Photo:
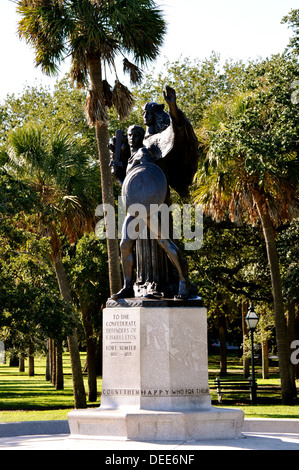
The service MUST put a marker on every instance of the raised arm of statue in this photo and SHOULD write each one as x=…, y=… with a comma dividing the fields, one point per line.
x=170, y=98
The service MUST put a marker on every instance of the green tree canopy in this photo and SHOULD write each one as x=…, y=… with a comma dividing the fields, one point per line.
x=93, y=33
x=292, y=19
x=250, y=167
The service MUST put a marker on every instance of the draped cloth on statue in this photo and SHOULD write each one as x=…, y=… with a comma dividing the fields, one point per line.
x=175, y=151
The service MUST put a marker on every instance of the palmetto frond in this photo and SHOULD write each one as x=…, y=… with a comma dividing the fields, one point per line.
x=37, y=3
x=228, y=173
x=58, y=170
x=43, y=25
x=133, y=70
x=95, y=109
x=141, y=26
x=27, y=149
x=107, y=92
x=79, y=73
x=85, y=30
x=122, y=100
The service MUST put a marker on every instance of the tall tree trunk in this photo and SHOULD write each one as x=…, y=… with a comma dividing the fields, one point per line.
x=53, y=362
x=265, y=360
x=102, y=137
x=49, y=359
x=21, y=363
x=73, y=344
x=222, y=340
x=91, y=347
x=31, y=360
x=282, y=341
x=48, y=366
x=59, y=383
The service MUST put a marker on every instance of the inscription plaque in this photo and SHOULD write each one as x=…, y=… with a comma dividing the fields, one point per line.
x=155, y=358
x=120, y=333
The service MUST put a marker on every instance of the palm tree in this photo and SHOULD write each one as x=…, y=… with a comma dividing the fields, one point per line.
x=93, y=33
x=59, y=171
x=250, y=172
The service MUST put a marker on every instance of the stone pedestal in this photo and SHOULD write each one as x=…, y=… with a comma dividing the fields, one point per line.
x=155, y=377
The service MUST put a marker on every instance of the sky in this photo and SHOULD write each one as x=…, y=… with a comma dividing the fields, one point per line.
x=236, y=29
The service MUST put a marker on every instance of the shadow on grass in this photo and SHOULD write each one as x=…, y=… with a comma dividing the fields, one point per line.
x=31, y=393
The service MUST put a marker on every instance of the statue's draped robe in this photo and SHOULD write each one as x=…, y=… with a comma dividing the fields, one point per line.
x=175, y=150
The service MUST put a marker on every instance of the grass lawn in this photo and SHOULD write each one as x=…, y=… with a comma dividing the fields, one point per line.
x=268, y=403
x=24, y=398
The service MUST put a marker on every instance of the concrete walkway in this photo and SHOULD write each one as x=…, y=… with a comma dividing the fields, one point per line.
x=259, y=434
x=251, y=441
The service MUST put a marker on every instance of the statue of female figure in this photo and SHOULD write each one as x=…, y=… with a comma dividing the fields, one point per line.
x=170, y=143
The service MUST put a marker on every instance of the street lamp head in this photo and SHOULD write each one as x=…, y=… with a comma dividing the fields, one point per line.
x=251, y=319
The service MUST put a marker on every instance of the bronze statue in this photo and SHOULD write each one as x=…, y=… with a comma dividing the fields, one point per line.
x=166, y=154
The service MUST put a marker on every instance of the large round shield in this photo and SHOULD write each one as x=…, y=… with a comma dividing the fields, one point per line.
x=145, y=184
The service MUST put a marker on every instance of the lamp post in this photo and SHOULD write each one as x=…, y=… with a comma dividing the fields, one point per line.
x=251, y=320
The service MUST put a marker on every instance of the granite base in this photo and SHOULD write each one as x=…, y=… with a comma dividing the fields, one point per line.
x=146, y=425
x=155, y=377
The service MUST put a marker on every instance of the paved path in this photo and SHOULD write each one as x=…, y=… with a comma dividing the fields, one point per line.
x=251, y=441
x=258, y=434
